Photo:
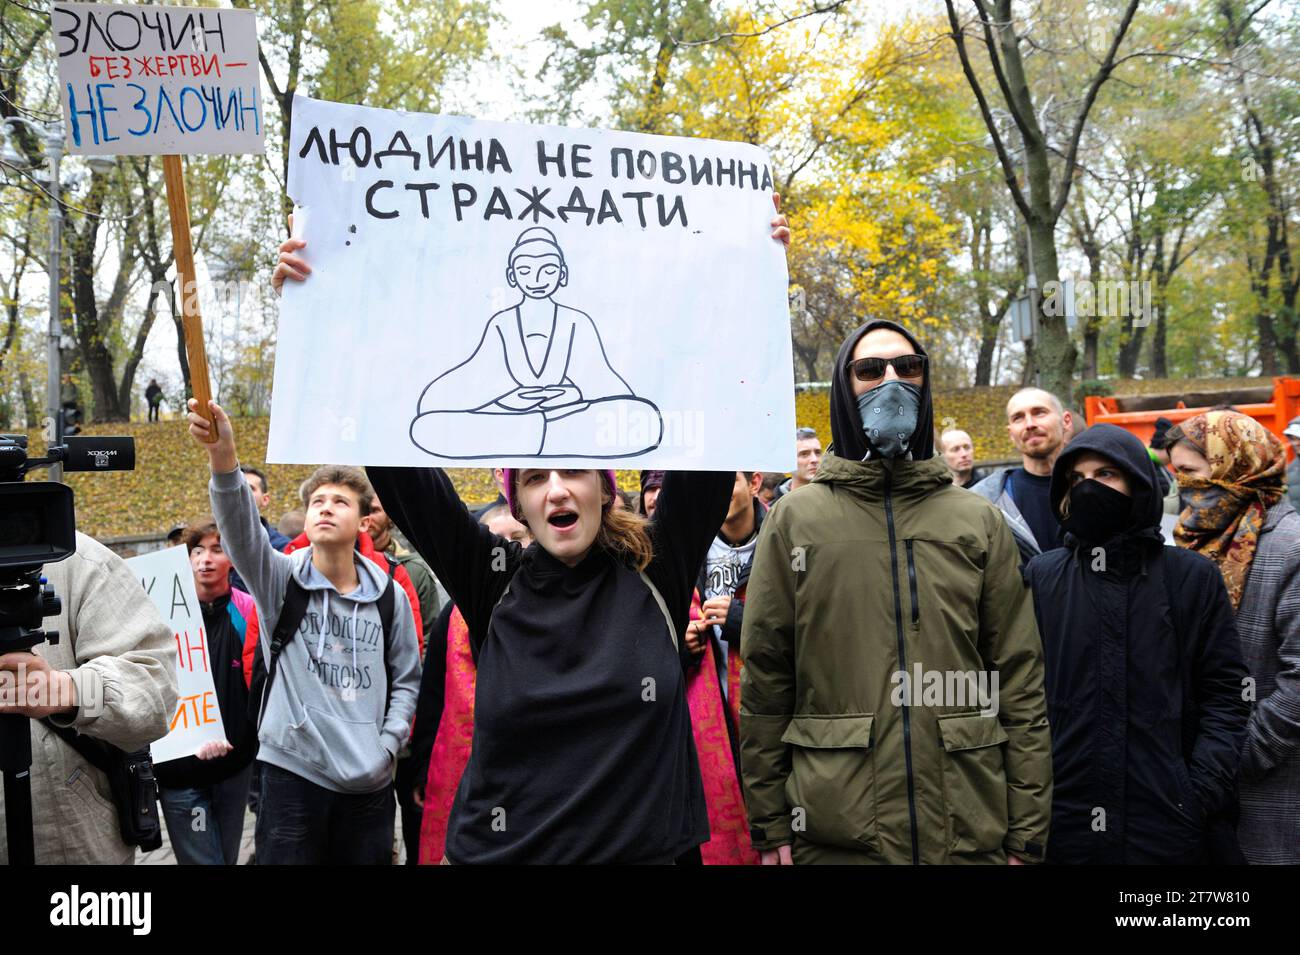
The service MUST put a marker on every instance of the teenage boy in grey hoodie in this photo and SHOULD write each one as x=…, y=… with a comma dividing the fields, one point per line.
x=341, y=703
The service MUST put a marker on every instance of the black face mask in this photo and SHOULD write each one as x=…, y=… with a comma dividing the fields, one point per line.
x=1097, y=512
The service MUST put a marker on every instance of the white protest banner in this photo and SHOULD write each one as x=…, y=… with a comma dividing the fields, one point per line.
x=161, y=80
x=152, y=80
x=495, y=293
x=169, y=581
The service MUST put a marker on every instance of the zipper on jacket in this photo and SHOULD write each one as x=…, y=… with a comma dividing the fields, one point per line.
x=911, y=582
x=902, y=662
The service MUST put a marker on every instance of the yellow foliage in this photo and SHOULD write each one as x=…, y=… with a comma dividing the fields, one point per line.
x=841, y=123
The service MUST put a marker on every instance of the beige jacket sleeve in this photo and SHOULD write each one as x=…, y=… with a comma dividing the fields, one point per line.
x=120, y=653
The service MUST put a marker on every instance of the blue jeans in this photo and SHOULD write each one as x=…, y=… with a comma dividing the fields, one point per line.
x=300, y=823
x=206, y=823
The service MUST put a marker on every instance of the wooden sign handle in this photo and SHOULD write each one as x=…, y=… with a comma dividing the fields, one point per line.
x=187, y=287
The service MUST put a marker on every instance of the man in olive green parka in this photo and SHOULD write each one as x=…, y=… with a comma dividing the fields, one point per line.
x=883, y=600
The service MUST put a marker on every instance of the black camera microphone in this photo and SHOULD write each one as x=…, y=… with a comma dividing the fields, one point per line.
x=89, y=453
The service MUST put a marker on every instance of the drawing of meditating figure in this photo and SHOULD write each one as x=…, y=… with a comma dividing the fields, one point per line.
x=539, y=382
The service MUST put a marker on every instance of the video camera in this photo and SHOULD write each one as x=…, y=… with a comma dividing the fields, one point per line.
x=38, y=526
x=37, y=521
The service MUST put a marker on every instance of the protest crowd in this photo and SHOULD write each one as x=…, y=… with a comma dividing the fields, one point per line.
x=887, y=657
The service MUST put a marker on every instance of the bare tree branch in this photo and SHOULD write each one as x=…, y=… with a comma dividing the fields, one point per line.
x=1104, y=71
x=1008, y=169
x=1018, y=102
x=817, y=10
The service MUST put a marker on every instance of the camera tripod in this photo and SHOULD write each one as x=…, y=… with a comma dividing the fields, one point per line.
x=25, y=599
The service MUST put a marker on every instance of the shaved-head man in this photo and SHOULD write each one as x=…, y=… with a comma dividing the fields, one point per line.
x=959, y=454
x=1039, y=426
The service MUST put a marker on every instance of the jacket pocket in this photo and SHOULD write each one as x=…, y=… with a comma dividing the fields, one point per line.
x=831, y=787
x=97, y=818
x=83, y=784
x=1189, y=803
x=974, y=782
x=911, y=583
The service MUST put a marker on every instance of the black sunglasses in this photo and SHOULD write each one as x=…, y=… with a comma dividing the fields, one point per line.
x=869, y=369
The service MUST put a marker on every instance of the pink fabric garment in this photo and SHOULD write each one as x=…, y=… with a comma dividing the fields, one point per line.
x=243, y=602
x=728, y=823
x=451, y=747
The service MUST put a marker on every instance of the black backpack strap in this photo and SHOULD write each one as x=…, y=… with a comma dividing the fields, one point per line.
x=387, y=603
x=91, y=750
x=131, y=782
x=290, y=619
x=286, y=627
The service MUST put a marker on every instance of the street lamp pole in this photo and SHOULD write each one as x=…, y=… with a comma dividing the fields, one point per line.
x=52, y=136
x=54, y=151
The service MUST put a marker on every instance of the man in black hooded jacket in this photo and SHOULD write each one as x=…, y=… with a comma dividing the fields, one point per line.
x=1144, y=674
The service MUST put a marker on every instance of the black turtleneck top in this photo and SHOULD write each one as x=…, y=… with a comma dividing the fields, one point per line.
x=582, y=747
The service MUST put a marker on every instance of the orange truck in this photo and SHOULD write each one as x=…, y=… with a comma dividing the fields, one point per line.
x=1272, y=406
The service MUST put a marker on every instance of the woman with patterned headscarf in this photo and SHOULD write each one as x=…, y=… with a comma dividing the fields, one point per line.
x=1232, y=472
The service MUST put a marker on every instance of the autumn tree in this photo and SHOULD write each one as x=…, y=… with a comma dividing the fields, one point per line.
x=1040, y=196
x=118, y=271
x=1261, y=73
x=634, y=51
x=393, y=55
x=829, y=100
